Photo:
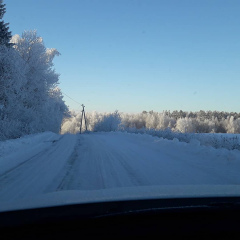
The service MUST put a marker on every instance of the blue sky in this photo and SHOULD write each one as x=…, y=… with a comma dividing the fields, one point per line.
x=135, y=55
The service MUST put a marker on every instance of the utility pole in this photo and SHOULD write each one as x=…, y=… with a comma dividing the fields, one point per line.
x=83, y=116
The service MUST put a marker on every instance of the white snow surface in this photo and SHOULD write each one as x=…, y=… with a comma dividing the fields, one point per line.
x=48, y=169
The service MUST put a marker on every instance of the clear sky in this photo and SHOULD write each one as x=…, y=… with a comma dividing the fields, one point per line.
x=135, y=55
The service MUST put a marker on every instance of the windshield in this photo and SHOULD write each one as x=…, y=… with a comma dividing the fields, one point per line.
x=128, y=99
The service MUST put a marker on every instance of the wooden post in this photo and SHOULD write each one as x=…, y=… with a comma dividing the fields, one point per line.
x=85, y=121
x=83, y=116
x=81, y=123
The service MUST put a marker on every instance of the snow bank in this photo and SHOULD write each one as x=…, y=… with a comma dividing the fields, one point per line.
x=14, y=152
x=14, y=145
x=216, y=140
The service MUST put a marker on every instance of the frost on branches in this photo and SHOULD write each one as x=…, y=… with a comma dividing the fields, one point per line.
x=30, y=100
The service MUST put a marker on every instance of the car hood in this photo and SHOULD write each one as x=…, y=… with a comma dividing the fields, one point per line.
x=71, y=197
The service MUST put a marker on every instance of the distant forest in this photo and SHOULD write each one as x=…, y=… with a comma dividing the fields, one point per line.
x=176, y=121
x=201, y=114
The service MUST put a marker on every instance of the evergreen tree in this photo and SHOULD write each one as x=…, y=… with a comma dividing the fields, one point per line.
x=5, y=34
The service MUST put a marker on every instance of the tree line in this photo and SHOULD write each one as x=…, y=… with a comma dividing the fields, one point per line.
x=176, y=121
x=220, y=115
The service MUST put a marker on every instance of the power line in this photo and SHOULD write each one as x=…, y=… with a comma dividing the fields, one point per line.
x=71, y=98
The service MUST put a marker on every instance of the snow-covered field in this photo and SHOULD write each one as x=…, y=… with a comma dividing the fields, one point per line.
x=41, y=164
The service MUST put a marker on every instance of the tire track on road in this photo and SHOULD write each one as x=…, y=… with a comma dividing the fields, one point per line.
x=6, y=175
x=31, y=158
x=66, y=180
x=122, y=161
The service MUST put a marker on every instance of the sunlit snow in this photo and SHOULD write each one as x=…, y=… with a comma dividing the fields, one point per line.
x=39, y=165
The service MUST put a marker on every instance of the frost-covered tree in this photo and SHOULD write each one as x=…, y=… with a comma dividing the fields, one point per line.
x=109, y=122
x=185, y=125
x=231, y=125
x=41, y=76
x=30, y=100
x=12, y=79
x=42, y=96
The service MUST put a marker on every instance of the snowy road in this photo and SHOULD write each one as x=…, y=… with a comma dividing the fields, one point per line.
x=111, y=160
